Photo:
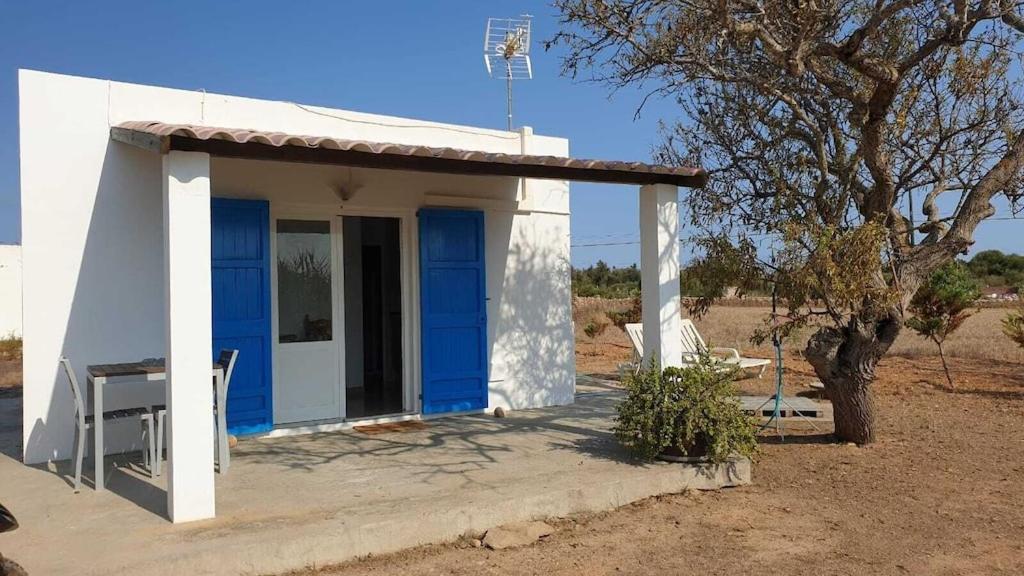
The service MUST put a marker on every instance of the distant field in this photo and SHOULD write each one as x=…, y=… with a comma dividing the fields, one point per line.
x=731, y=325
x=10, y=362
x=980, y=338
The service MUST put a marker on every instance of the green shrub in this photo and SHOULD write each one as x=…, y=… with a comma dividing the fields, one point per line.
x=631, y=315
x=942, y=305
x=1013, y=326
x=10, y=347
x=693, y=411
x=595, y=327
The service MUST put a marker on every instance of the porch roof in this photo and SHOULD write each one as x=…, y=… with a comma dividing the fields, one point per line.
x=258, y=145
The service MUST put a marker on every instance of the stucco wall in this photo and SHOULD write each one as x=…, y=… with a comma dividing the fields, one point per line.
x=92, y=233
x=10, y=290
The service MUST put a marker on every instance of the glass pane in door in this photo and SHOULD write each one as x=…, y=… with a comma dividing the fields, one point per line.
x=304, y=281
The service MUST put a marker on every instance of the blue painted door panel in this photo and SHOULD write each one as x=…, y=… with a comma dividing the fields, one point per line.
x=240, y=245
x=454, y=310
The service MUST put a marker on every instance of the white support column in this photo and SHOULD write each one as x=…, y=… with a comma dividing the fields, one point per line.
x=188, y=308
x=659, y=271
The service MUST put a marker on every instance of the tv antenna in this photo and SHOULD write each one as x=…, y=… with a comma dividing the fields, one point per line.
x=507, y=52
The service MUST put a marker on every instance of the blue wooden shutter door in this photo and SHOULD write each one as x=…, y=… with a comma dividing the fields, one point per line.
x=453, y=310
x=241, y=308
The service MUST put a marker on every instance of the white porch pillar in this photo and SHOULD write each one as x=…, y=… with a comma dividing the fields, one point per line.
x=188, y=308
x=659, y=272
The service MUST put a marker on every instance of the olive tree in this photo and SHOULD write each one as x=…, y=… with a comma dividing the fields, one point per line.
x=865, y=140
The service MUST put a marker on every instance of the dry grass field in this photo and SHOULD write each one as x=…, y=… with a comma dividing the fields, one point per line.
x=980, y=338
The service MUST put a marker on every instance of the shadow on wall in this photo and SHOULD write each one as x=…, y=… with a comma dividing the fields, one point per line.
x=116, y=310
x=532, y=346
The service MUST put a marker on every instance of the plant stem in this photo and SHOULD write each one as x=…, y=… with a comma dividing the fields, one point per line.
x=945, y=367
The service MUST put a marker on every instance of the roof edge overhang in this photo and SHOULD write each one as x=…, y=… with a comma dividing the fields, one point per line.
x=275, y=146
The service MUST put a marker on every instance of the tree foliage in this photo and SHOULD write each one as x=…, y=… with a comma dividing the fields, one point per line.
x=605, y=281
x=708, y=278
x=942, y=305
x=994, y=268
x=821, y=123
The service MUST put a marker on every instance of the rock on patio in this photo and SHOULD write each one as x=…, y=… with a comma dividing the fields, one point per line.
x=294, y=501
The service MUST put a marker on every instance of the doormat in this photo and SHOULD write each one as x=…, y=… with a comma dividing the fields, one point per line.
x=407, y=426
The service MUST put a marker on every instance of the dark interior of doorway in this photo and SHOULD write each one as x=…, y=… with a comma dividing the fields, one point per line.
x=373, y=316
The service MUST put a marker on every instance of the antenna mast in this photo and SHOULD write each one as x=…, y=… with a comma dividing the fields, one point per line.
x=507, y=52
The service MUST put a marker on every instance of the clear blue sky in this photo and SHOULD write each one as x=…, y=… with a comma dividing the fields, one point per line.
x=405, y=58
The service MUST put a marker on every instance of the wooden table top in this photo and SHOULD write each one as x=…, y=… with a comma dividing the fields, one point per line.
x=141, y=368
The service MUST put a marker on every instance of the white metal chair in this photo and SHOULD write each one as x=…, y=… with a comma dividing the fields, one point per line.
x=83, y=422
x=226, y=360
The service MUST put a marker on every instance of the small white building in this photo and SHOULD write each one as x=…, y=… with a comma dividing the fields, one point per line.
x=366, y=267
x=10, y=290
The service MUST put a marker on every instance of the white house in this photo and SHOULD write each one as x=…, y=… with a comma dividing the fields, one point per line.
x=365, y=266
x=10, y=290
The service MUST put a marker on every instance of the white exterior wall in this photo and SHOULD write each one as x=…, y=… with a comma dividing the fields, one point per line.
x=92, y=234
x=10, y=290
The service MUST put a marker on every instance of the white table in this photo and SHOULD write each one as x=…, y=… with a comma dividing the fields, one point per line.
x=142, y=372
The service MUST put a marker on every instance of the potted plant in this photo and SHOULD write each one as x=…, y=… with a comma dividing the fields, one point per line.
x=684, y=413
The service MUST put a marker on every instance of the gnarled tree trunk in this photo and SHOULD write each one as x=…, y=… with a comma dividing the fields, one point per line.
x=845, y=360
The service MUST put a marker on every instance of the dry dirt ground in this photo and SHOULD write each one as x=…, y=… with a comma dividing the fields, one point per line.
x=940, y=492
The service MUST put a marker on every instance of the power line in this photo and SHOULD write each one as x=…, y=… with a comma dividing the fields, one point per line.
x=601, y=237
x=626, y=243
x=605, y=244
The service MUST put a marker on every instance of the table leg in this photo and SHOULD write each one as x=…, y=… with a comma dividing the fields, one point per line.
x=223, y=452
x=97, y=431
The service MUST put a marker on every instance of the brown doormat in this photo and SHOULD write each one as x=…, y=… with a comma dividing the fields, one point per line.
x=407, y=426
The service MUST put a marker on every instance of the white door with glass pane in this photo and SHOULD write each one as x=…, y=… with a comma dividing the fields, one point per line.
x=308, y=376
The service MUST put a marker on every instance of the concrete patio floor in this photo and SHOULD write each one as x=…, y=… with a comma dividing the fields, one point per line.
x=323, y=498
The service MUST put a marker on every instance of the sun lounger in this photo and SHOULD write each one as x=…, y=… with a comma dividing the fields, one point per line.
x=693, y=348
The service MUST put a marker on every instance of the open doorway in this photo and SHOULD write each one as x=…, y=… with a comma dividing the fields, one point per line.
x=373, y=316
